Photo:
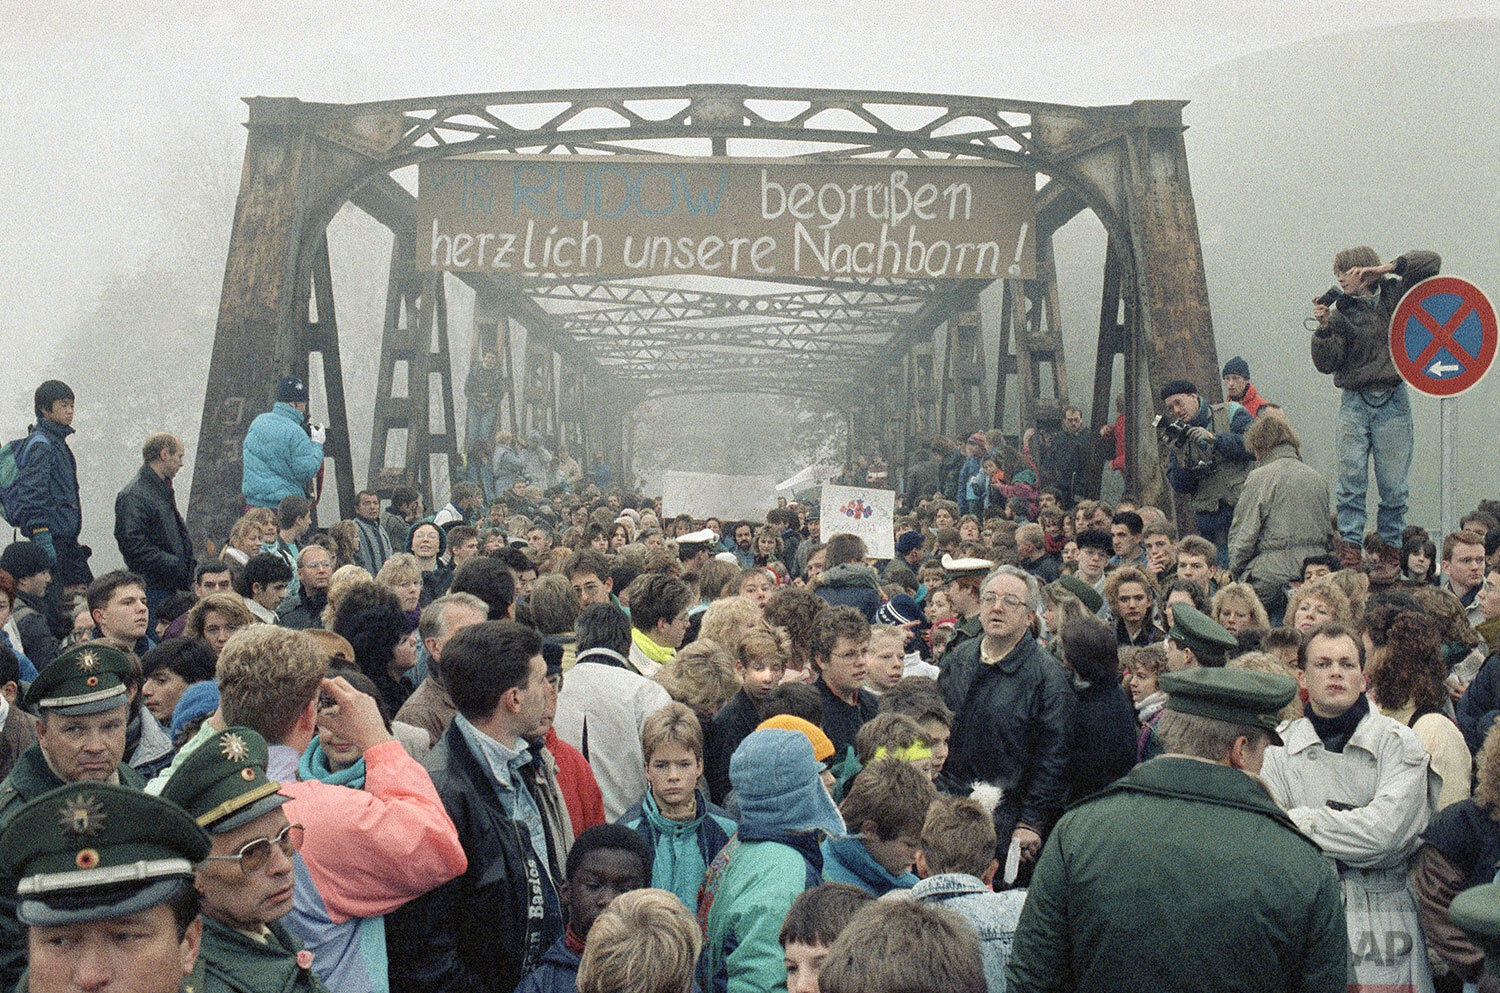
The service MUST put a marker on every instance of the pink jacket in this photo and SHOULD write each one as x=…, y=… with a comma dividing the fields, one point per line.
x=372, y=850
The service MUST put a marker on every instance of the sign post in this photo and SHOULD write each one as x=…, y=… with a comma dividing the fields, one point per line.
x=1443, y=340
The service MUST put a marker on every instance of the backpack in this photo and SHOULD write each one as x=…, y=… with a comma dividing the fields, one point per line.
x=12, y=455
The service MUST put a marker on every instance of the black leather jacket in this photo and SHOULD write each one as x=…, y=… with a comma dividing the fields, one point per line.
x=1012, y=727
x=481, y=932
x=153, y=539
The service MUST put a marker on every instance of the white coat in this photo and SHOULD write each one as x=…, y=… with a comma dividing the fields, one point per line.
x=600, y=712
x=1384, y=776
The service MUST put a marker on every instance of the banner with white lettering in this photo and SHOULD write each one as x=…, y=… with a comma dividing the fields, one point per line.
x=759, y=218
x=709, y=494
x=863, y=511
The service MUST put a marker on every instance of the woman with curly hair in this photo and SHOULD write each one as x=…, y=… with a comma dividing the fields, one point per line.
x=371, y=618
x=727, y=621
x=769, y=546
x=1405, y=671
x=1317, y=602
x=1461, y=849
x=1237, y=608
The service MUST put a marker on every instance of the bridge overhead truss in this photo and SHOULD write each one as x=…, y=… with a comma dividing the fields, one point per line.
x=902, y=358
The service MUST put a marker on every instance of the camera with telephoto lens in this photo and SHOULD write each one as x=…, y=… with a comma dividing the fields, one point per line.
x=1196, y=455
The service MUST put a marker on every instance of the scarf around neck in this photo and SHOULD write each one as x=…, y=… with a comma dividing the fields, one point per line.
x=1335, y=732
x=313, y=764
x=1150, y=706
x=660, y=654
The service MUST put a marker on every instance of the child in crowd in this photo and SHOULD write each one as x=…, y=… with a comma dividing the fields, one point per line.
x=918, y=697
x=884, y=810
x=894, y=736
x=759, y=663
x=644, y=942
x=757, y=583
x=684, y=830
x=884, y=658
x=811, y=926
x=604, y=862
x=1144, y=665
x=901, y=946
x=957, y=865
x=773, y=857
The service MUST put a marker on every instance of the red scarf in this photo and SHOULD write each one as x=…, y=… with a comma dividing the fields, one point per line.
x=574, y=943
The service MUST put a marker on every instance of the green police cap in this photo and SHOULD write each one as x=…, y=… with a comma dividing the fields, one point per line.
x=1191, y=628
x=1238, y=696
x=223, y=783
x=1477, y=911
x=86, y=679
x=1086, y=594
x=89, y=851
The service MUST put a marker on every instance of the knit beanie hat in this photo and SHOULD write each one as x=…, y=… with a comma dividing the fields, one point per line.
x=777, y=780
x=23, y=559
x=291, y=390
x=1237, y=367
x=1175, y=387
x=898, y=610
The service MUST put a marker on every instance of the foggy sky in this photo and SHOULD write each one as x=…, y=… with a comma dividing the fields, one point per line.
x=96, y=92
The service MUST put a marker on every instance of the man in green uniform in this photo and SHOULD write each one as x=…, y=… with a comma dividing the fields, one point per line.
x=1196, y=640
x=106, y=890
x=82, y=709
x=246, y=882
x=965, y=576
x=1184, y=874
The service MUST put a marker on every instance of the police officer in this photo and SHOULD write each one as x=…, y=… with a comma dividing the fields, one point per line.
x=1196, y=639
x=965, y=576
x=1208, y=460
x=94, y=861
x=247, y=881
x=1184, y=874
x=82, y=710
x=1477, y=911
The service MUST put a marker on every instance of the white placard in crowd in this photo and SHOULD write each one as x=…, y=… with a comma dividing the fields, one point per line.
x=860, y=510
x=812, y=474
x=710, y=494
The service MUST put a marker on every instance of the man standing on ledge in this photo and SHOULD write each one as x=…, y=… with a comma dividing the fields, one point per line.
x=1352, y=342
x=281, y=454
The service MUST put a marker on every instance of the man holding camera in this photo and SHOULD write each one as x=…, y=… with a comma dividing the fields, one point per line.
x=1352, y=343
x=1207, y=458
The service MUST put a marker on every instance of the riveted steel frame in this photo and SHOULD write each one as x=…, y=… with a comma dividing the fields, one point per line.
x=633, y=339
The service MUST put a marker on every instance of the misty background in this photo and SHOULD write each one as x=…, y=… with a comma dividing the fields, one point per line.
x=1311, y=127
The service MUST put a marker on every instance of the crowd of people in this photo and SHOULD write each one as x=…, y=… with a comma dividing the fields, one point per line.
x=550, y=738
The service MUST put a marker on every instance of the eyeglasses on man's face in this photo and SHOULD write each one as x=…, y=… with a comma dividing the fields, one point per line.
x=1009, y=600
x=255, y=855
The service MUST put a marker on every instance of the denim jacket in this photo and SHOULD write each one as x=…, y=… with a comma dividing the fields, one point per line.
x=993, y=916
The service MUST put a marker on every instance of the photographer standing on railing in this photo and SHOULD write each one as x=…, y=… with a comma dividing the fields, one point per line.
x=1352, y=342
x=1207, y=457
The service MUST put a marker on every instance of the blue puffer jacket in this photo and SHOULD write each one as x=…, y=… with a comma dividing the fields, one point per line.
x=47, y=484
x=280, y=459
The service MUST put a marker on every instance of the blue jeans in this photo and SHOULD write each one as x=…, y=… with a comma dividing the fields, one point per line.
x=1214, y=525
x=479, y=425
x=1378, y=425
